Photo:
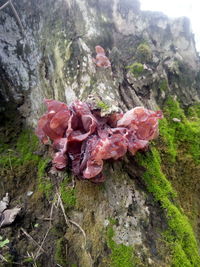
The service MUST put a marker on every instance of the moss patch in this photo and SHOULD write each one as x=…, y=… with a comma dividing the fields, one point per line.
x=144, y=53
x=163, y=85
x=60, y=251
x=179, y=146
x=136, y=68
x=102, y=106
x=193, y=111
x=121, y=255
x=19, y=164
x=44, y=183
x=182, y=135
x=67, y=194
x=179, y=156
x=21, y=152
x=179, y=236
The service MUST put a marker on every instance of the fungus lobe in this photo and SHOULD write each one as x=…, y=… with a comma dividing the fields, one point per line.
x=83, y=139
x=101, y=59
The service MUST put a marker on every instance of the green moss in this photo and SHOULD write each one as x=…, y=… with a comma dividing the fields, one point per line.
x=102, y=105
x=112, y=221
x=168, y=136
x=136, y=68
x=193, y=112
x=121, y=255
x=183, y=135
x=20, y=157
x=3, y=146
x=26, y=145
x=144, y=53
x=28, y=260
x=163, y=85
x=60, y=252
x=179, y=145
x=67, y=194
x=44, y=183
x=9, y=259
x=179, y=236
x=20, y=152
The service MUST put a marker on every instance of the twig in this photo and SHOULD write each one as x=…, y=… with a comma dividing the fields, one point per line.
x=40, y=248
x=4, y=5
x=9, y=2
x=68, y=220
x=34, y=260
x=45, y=219
x=73, y=182
x=74, y=223
x=50, y=226
x=80, y=228
x=30, y=237
x=10, y=163
x=32, y=257
x=63, y=209
x=3, y=258
x=16, y=16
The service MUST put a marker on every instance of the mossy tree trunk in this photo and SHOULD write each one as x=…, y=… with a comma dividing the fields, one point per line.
x=138, y=216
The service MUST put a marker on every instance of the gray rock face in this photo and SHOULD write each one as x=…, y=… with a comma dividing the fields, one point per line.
x=53, y=57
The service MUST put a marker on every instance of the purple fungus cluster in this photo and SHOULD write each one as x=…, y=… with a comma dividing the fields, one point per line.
x=82, y=139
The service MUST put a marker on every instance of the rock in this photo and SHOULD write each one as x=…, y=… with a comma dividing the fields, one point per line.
x=4, y=203
x=7, y=216
x=29, y=193
x=176, y=120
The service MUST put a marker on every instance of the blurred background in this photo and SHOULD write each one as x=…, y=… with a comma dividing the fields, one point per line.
x=178, y=8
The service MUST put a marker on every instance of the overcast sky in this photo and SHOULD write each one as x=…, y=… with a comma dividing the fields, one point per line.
x=178, y=8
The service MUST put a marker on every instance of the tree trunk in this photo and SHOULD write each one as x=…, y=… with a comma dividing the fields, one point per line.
x=135, y=217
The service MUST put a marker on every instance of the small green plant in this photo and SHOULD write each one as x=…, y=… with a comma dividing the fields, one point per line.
x=121, y=255
x=28, y=260
x=67, y=194
x=144, y=53
x=136, y=68
x=4, y=242
x=102, y=106
x=163, y=85
x=44, y=183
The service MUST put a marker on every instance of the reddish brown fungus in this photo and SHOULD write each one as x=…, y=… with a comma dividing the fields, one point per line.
x=101, y=59
x=82, y=139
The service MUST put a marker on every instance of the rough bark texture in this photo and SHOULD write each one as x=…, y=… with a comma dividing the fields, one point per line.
x=153, y=58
